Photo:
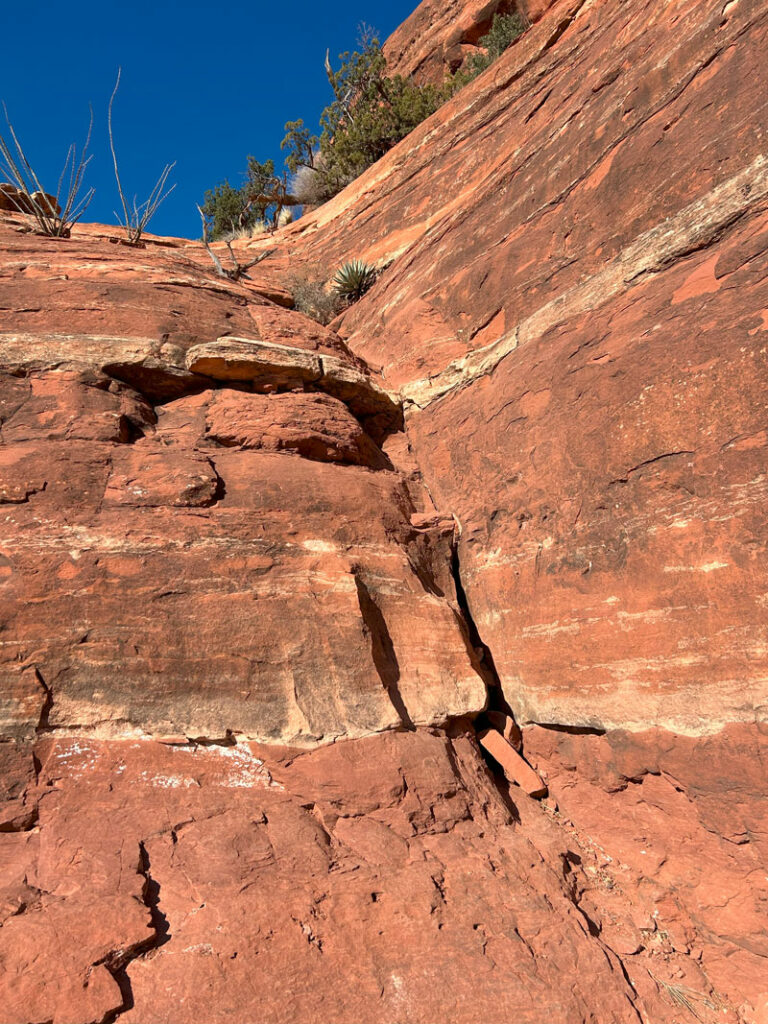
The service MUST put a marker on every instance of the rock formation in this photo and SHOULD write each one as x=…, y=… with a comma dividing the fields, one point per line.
x=271, y=593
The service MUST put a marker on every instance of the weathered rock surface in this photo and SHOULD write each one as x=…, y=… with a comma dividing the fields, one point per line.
x=368, y=881
x=575, y=318
x=230, y=560
x=573, y=307
x=242, y=652
x=679, y=822
x=439, y=36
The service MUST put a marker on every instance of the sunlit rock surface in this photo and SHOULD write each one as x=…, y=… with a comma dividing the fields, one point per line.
x=259, y=579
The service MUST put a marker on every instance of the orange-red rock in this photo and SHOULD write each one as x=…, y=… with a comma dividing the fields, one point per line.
x=439, y=36
x=680, y=822
x=574, y=316
x=248, y=620
x=363, y=881
x=515, y=767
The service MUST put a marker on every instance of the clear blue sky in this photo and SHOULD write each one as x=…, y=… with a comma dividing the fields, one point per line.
x=204, y=84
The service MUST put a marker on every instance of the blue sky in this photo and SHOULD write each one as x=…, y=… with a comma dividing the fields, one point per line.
x=204, y=84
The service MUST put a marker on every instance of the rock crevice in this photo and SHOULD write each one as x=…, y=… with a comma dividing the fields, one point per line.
x=218, y=522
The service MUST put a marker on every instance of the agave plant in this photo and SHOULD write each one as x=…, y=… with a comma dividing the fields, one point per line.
x=354, y=279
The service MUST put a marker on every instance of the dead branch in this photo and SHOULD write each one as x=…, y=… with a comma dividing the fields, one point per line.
x=238, y=270
x=55, y=215
x=136, y=219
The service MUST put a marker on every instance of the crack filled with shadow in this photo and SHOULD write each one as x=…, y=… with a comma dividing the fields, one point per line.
x=117, y=963
x=572, y=730
x=43, y=724
x=496, y=699
x=382, y=650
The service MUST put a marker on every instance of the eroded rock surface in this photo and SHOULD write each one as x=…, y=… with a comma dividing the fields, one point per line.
x=239, y=559
x=574, y=315
x=260, y=578
x=352, y=883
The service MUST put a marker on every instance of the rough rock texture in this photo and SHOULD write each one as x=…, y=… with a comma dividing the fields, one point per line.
x=240, y=558
x=251, y=614
x=573, y=307
x=647, y=801
x=575, y=318
x=324, y=887
x=439, y=36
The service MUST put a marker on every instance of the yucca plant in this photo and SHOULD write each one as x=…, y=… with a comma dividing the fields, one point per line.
x=353, y=280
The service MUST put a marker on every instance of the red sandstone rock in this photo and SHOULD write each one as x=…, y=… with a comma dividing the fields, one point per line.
x=514, y=766
x=311, y=612
x=438, y=36
x=573, y=314
x=313, y=425
x=200, y=539
x=256, y=887
x=684, y=816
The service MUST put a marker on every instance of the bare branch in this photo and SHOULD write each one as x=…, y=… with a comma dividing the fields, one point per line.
x=216, y=261
x=238, y=269
x=135, y=221
x=53, y=218
x=114, y=154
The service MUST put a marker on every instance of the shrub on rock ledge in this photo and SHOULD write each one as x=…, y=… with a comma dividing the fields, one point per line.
x=312, y=297
x=353, y=280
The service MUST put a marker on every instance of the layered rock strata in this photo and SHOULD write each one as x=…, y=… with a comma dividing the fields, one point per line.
x=204, y=536
x=260, y=579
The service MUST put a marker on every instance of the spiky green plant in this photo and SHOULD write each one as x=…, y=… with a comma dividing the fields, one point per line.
x=353, y=280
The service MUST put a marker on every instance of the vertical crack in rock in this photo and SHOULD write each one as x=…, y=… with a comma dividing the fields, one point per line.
x=221, y=488
x=117, y=962
x=382, y=650
x=47, y=705
x=501, y=745
x=151, y=897
x=497, y=701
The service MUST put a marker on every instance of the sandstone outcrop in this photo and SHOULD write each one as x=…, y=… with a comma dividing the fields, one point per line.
x=310, y=614
x=325, y=887
x=13, y=200
x=439, y=36
x=574, y=315
x=276, y=598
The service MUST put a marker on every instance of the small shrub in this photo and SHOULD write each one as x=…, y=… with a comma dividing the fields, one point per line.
x=504, y=30
x=238, y=269
x=55, y=215
x=136, y=216
x=353, y=280
x=258, y=227
x=312, y=297
x=253, y=230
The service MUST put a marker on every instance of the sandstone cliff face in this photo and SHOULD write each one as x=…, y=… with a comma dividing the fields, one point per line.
x=438, y=37
x=574, y=316
x=204, y=536
x=259, y=578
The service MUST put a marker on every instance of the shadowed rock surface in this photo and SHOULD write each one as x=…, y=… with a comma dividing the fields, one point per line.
x=261, y=579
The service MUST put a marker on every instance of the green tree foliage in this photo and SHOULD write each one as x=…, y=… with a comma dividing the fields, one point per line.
x=505, y=29
x=225, y=209
x=261, y=198
x=369, y=114
x=301, y=146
